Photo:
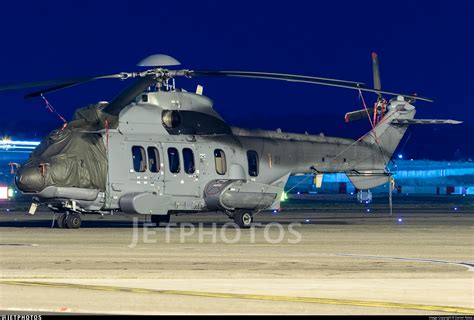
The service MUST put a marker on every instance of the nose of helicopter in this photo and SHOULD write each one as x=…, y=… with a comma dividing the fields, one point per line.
x=29, y=179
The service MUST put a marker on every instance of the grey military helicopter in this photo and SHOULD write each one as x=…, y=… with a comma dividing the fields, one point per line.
x=159, y=150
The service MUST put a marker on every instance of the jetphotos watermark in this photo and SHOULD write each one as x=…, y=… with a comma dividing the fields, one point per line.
x=272, y=233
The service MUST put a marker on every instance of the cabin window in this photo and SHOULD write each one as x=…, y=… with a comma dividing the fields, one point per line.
x=219, y=159
x=252, y=158
x=153, y=159
x=173, y=159
x=188, y=159
x=139, y=159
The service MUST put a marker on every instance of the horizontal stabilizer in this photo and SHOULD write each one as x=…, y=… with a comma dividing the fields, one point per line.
x=357, y=115
x=406, y=122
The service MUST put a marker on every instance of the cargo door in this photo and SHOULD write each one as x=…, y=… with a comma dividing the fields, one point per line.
x=181, y=172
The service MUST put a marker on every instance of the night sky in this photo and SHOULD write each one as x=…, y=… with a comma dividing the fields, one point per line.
x=424, y=46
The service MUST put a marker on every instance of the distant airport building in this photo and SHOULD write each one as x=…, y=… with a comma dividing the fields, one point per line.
x=12, y=153
x=411, y=176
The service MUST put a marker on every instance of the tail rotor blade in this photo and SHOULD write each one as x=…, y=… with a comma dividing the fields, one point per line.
x=376, y=72
x=357, y=115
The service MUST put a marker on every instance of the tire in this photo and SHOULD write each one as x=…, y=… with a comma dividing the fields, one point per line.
x=73, y=221
x=61, y=222
x=157, y=219
x=243, y=218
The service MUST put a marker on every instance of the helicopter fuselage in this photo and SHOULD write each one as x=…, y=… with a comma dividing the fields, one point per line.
x=171, y=152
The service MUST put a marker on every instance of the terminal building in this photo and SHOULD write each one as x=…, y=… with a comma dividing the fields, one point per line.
x=12, y=153
x=411, y=176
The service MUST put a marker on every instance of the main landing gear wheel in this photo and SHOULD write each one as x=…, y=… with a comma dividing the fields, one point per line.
x=73, y=220
x=243, y=218
x=157, y=219
x=61, y=222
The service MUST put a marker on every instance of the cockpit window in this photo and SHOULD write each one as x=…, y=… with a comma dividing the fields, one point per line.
x=139, y=159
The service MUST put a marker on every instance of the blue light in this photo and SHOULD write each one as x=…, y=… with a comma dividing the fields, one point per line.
x=368, y=210
x=307, y=220
x=400, y=156
x=455, y=208
x=400, y=220
x=7, y=144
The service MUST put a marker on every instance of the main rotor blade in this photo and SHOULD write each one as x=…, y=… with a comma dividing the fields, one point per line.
x=54, y=85
x=128, y=95
x=265, y=75
x=69, y=84
x=26, y=85
x=302, y=80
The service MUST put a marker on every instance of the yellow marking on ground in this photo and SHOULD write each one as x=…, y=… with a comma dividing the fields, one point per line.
x=357, y=303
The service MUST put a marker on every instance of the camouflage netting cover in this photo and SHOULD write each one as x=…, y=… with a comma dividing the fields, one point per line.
x=75, y=156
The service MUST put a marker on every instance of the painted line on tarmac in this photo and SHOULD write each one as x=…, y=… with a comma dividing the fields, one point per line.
x=469, y=266
x=356, y=303
x=19, y=245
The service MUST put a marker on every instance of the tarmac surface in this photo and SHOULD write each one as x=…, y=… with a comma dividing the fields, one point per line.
x=333, y=263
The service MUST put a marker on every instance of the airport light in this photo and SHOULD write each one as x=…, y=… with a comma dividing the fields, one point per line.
x=7, y=144
x=3, y=193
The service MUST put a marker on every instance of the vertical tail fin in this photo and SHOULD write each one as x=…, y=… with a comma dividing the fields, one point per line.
x=387, y=135
x=383, y=139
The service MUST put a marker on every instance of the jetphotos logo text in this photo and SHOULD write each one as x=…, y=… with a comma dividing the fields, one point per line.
x=272, y=233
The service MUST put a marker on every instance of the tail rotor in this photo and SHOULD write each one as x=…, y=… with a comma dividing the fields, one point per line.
x=380, y=106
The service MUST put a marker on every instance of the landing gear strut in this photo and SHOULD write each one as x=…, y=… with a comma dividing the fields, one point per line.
x=243, y=218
